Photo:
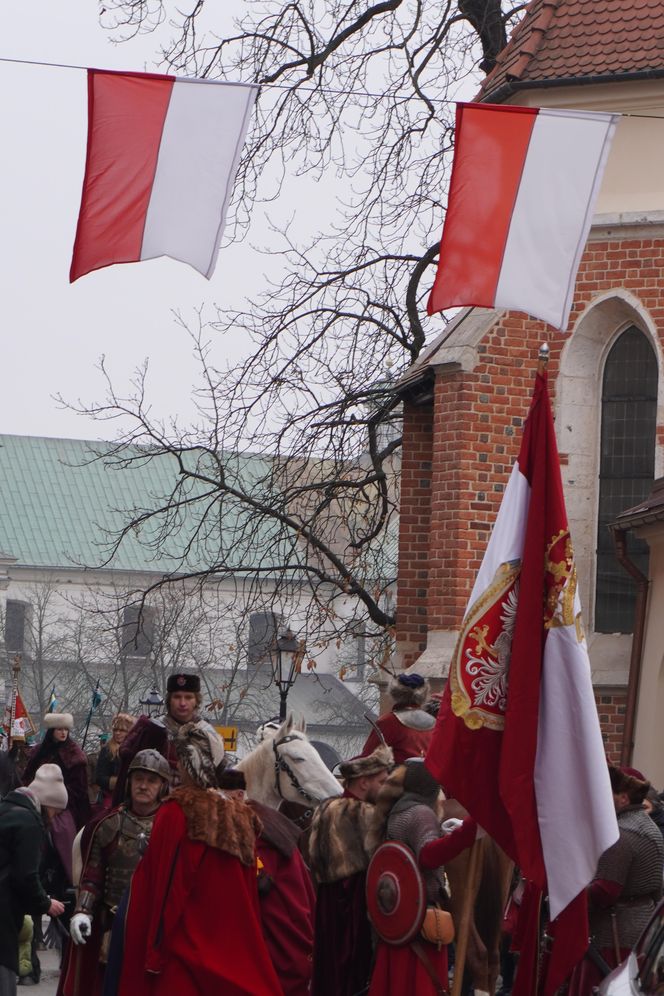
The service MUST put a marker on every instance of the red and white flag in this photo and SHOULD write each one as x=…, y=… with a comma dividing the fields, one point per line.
x=517, y=740
x=161, y=161
x=523, y=188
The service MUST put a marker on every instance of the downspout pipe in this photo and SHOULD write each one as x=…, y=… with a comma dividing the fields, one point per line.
x=620, y=544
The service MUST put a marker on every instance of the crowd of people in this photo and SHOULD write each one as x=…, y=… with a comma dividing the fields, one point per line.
x=166, y=878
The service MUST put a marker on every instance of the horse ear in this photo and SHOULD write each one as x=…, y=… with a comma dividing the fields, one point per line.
x=302, y=725
x=285, y=727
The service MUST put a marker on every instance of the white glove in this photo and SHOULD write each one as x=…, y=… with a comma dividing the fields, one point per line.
x=449, y=826
x=80, y=927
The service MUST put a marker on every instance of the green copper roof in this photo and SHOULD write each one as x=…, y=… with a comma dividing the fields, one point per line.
x=60, y=502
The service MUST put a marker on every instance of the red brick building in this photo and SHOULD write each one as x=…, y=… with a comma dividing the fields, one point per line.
x=466, y=397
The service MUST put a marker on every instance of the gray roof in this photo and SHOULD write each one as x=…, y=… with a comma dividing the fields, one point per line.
x=62, y=500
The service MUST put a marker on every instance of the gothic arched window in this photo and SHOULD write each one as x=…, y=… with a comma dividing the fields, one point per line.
x=626, y=470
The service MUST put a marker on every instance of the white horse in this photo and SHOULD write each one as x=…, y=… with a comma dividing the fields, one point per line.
x=285, y=767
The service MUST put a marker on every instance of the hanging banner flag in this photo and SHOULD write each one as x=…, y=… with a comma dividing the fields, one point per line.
x=161, y=161
x=52, y=702
x=22, y=725
x=517, y=740
x=523, y=188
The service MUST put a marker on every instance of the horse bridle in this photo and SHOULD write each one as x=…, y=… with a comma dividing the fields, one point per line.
x=281, y=764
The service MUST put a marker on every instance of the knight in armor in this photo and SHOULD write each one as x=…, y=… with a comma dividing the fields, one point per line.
x=627, y=883
x=338, y=859
x=193, y=923
x=407, y=728
x=407, y=811
x=183, y=702
x=112, y=847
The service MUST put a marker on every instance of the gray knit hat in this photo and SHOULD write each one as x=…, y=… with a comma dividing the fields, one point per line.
x=49, y=787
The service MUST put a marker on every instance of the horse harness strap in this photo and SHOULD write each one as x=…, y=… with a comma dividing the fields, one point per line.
x=281, y=764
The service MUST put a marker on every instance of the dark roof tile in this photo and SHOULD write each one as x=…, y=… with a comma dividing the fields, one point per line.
x=562, y=40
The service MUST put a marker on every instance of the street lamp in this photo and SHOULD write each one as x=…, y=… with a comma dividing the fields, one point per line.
x=286, y=654
x=153, y=701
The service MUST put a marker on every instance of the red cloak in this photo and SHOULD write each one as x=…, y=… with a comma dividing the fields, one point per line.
x=193, y=924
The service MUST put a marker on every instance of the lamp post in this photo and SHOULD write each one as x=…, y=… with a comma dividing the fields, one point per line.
x=286, y=653
x=153, y=701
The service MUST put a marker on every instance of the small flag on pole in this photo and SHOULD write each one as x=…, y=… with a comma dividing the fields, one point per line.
x=523, y=188
x=161, y=161
x=52, y=702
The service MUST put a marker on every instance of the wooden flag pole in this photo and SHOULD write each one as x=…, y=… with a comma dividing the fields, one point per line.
x=16, y=667
x=474, y=873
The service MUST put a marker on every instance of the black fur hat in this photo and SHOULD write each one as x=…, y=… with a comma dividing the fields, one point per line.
x=183, y=683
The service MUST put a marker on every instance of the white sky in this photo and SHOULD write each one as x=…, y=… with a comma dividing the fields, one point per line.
x=53, y=333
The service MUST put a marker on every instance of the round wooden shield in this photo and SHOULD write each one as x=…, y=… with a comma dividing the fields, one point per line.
x=396, y=897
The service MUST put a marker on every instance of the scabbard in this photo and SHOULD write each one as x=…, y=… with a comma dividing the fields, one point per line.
x=594, y=955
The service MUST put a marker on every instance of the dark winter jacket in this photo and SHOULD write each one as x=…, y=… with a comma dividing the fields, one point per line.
x=22, y=835
x=74, y=766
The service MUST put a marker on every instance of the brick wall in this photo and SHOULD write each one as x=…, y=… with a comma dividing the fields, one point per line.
x=414, y=530
x=477, y=418
x=611, y=706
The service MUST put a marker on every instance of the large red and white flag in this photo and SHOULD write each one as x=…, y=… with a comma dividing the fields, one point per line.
x=517, y=740
x=161, y=161
x=523, y=188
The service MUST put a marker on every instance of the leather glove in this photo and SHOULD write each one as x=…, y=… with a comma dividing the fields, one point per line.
x=80, y=927
x=449, y=826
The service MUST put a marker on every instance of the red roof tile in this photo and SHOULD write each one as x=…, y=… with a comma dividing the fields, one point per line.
x=563, y=40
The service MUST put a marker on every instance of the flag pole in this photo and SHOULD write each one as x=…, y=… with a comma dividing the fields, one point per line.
x=474, y=873
x=543, y=357
x=92, y=708
x=16, y=667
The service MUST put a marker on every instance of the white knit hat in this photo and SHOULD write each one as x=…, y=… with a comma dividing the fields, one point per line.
x=49, y=787
x=58, y=721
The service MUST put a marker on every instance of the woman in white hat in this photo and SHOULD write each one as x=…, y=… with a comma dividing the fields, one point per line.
x=57, y=747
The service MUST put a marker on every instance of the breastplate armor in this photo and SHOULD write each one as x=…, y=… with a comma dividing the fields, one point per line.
x=415, y=719
x=130, y=844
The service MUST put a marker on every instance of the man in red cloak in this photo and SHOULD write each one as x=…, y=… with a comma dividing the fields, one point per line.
x=286, y=894
x=407, y=728
x=193, y=924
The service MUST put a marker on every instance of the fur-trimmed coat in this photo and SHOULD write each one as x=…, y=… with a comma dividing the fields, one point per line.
x=337, y=839
x=193, y=923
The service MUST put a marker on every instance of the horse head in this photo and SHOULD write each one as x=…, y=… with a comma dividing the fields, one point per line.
x=285, y=766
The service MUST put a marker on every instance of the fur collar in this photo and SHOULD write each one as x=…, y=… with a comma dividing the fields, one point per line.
x=214, y=820
x=337, y=837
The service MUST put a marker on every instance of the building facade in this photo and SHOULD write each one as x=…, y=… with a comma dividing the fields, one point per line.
x=467, y=396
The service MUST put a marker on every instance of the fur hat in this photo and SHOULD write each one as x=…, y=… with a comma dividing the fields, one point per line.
x=49, y=787
x=621, y=781
x=200, y=752
x=382, y=759
x=409, y=689
x=123, y=721
x=183, y=683
x=231, y=779
x=58, y=721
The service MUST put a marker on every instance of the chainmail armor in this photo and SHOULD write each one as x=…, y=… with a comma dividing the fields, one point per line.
x=415, y=827
x=117, y=846
x=636, y=861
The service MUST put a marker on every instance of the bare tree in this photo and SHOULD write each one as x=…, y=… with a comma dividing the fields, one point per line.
x=356, y=102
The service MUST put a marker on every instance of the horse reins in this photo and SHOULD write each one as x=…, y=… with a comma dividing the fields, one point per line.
x=281, y=764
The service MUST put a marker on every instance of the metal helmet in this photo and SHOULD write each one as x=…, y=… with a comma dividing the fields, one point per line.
x=151, y=760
